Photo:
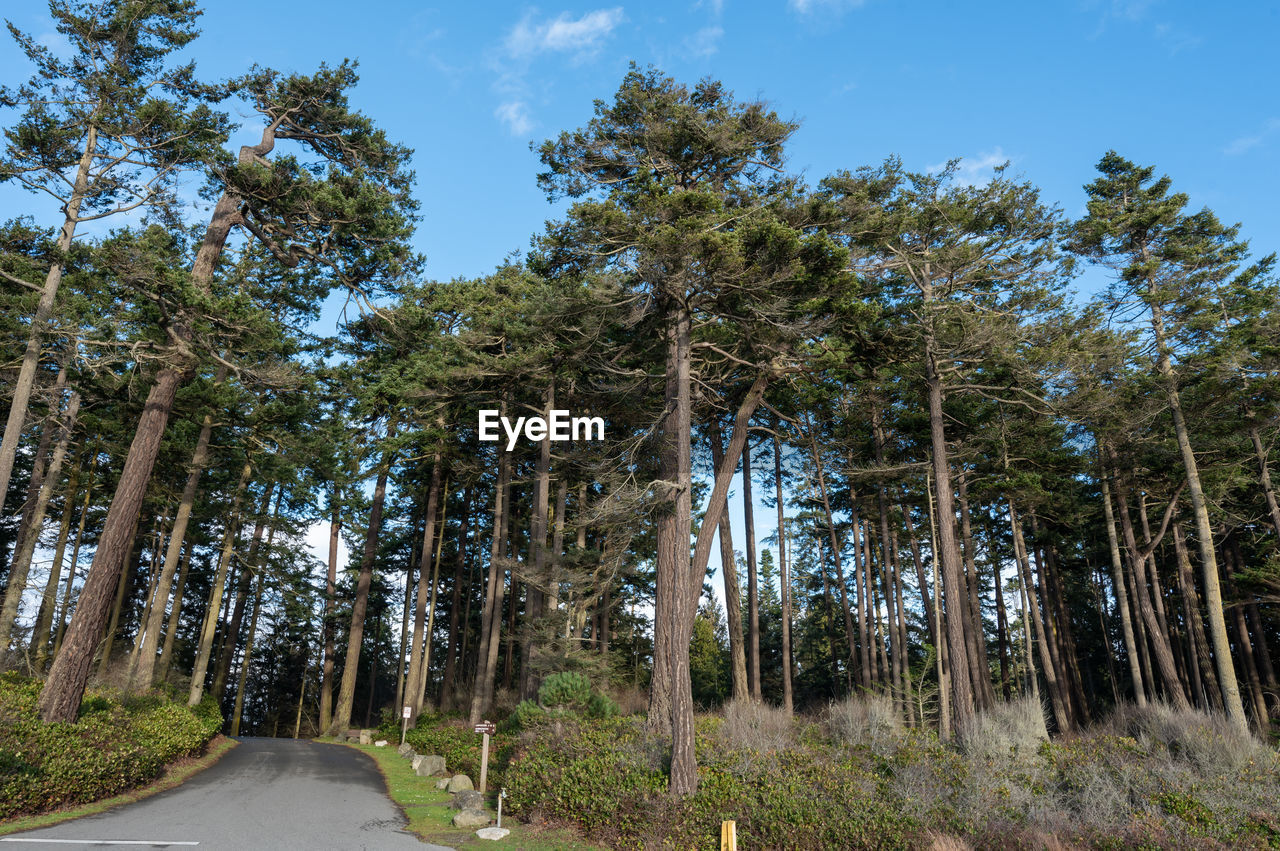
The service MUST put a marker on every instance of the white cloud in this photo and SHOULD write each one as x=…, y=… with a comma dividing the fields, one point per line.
x=808, y=7
x=564, y=34
x=975, y=171
x=1248, y=143
x=704, y=42
x=515, y=114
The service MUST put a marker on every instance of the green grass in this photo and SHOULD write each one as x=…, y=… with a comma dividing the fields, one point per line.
x=430, y=817
x=175, y=774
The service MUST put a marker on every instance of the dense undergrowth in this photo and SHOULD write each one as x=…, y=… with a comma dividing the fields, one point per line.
x=118, y=743
x=854, y=778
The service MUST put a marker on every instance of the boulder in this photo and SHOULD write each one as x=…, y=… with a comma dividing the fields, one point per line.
x=460, y=783
x=442, y=783
x=428, y=765
x=492, y=833
x=471, y=818
x=366, y=737
x=405, y=750
x=470, y=800
x=381, y=743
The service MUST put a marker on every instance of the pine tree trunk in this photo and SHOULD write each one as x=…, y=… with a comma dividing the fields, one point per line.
x=175, y=614
x=753, y=579
x=977, y=647
x=835, y=553
x=1060, y=712
x=41, y=638
x=1002, y=634
x=431, y=606
x=404, y=633
x=133, y=563
x=412, y=688
x=238, y=711
x=740, y=689
x=355, y=637
x=64, y=611
x=330, y=602
x=491, y=614
x=454, y=654
x=1204, y=530
x=144, y=676
x=20, y=566
x=1122, y=596
x=538, y=528
x=26, y=380
x=1230, y=554
x=209, y=626
x=784, y=580
x=1210, y=695
x=949, y=550
x=1264, y=478
x=231, y=635
x=1159, y=638
x=64, y=687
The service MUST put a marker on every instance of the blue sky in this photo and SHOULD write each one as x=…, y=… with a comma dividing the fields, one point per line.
x=1189, y=87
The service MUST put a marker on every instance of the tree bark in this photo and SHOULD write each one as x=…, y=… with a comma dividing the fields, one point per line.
x=1264, y=478
x=64, y=611
x=1060, y=712
x=784, y=581
x=231, y=635
x=1211, y=695
x=412, y=689
x=175, y=614
x=491, y=615
x=330, y=593
x=20, y=566
x=355, y=638
x=977, y=646
x=41, y=637
x=210, y=624
x=425, y=675
x=238, y=711
x=732, y=590
x=1122, y=596
x=64, y=688
x=753, y=581
x=453, y=656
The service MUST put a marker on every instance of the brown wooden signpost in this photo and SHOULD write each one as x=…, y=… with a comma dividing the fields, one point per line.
x=487, y=728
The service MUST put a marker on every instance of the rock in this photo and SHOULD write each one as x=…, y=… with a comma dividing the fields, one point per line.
x=426, y=766
x=355, y=740
x=381, y=743
x=429, y=764
x=471, y=818
x=442, y=783
x=492, y=833
x=366, y=737
x=460, y=783
x=469, y=800
x=405, y=750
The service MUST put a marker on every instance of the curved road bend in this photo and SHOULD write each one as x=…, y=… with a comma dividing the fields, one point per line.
x=263, y=794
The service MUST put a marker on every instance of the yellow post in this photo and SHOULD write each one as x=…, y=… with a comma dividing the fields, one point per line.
x=728, y=836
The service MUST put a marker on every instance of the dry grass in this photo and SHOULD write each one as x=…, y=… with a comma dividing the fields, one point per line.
x=1015, y=729
x=757, y=726
x=863, y=720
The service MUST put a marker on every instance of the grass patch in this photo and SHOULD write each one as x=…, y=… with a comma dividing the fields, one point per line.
x=430, y=817
x=175, y=774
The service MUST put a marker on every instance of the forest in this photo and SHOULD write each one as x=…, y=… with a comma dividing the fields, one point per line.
x=985, y=480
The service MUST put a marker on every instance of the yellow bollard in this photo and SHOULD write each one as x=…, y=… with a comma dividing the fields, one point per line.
x=728, y=836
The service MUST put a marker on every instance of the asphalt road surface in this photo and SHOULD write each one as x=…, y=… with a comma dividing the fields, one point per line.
x=263, y=794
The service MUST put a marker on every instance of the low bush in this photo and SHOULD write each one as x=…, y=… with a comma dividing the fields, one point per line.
x=460, y=746
x=119, y=742
x=868, y=720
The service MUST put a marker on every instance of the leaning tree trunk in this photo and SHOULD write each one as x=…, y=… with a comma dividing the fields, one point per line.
x=1122, y=595
x=26, y=379
x=1204, y=530
x=412, y=689
x=64, y=688
x=355, y=638
x=210, y=625
x=1265, y=478
x=732, y=591
x=21, y=563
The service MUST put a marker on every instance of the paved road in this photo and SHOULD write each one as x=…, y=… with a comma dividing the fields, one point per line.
x=263, y=794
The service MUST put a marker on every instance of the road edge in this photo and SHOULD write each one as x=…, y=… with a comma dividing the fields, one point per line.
x=175, y=774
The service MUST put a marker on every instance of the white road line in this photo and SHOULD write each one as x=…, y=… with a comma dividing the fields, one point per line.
x=95, y=841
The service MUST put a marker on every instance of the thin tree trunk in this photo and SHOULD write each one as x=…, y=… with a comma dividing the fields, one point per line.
x=64, y=610
x=404, y=632
x=538, y=528
x=41, y=637
x=231, y=635
x=977, y=646
x=26, y=380
x=740, y=689
x=64, y=688
x=1002, y=633
x=1210, y=694
x=454, y=655
x=1264, y=478
x=1060, y=712
x=144, y=676
x=131, y=566
x=1122, y=596
x=330, y=594
x=175, y=613
x=491, y=614
x=412, y=689
x=784, y=582
x=1231, y=553
x=238, y=712
x=431, y=610
x=1204, y=531
x=210, y=625
x=835, y=549
x=355, y=638
x=20, y=565
x=753, y=581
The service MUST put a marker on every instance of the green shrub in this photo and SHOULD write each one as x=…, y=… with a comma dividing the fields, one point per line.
x=566, y=691
x=460, y=747
x=116, y=744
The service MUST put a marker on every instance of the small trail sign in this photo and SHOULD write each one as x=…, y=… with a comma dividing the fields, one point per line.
x=487, y=727
x=406, y=712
